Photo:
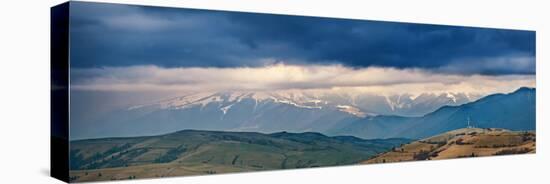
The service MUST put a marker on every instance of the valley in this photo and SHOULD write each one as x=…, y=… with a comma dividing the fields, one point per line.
x=224, y=134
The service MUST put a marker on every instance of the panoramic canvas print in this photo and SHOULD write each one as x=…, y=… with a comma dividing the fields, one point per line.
x=159, y=92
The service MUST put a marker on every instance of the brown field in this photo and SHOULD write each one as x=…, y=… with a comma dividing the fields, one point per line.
x=461, y=143
x=153, y=171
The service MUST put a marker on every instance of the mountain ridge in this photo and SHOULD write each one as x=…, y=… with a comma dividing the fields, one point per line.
x=313, y=100
x=515, y=111
x=238, y=112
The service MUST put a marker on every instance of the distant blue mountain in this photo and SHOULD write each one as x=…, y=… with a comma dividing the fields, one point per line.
x=514, y=111
x=265, y=112
x=268, y=113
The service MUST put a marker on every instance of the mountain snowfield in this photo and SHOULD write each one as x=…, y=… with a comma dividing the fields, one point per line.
x=357, y=105
x=366, y=116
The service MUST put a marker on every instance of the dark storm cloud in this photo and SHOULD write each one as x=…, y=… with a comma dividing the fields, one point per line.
x=120, y=35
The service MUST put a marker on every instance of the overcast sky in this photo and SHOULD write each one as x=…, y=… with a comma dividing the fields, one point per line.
x=128, y=48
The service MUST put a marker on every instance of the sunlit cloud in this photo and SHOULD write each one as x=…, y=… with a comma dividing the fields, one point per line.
x=291, y=77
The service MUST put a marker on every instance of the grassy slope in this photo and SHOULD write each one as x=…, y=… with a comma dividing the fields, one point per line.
x=467, y=142
x=192, y=152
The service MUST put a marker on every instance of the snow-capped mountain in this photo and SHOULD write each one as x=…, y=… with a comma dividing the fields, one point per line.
x=264, y=112
x=357, y=105
x=226, y=99
x=409, y=105
x=512, y=111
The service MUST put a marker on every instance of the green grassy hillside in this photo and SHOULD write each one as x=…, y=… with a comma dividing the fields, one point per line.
x=191, y=152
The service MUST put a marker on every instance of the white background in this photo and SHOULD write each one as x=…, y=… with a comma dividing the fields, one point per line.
x=24, y=90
